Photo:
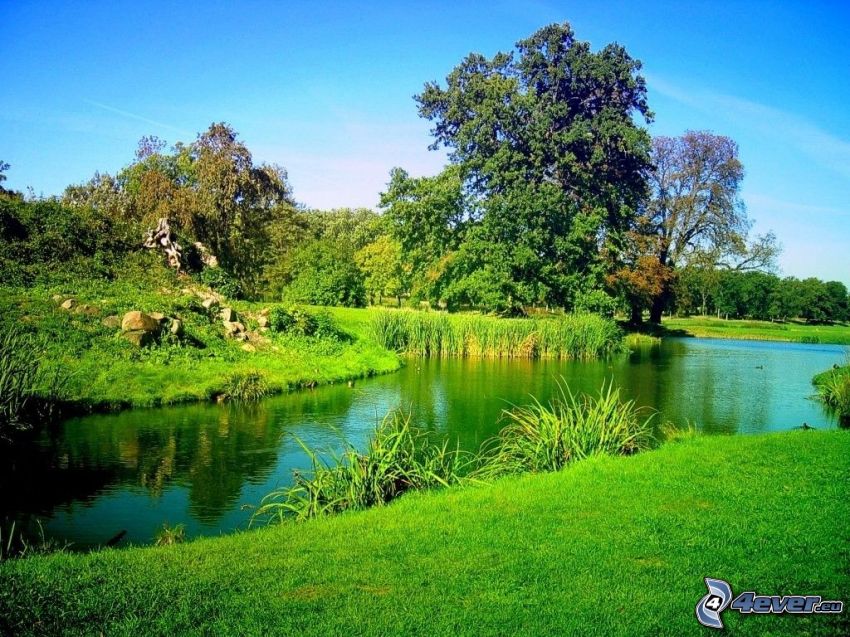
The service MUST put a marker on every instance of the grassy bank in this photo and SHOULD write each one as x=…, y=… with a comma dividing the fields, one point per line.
x=833, y=388
x=103, y=370
x=610, y=546
x=572, y=336
x=790, y=331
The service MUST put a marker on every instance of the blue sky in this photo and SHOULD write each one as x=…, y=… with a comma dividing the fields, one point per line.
x=325, y=89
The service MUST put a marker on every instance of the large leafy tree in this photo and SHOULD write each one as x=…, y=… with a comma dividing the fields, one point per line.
x=546, y=144
x=694, y=215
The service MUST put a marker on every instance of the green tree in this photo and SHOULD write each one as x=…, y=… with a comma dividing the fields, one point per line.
x=324, y=273
x=695, y=212
x=382, y=267
x=546, y=146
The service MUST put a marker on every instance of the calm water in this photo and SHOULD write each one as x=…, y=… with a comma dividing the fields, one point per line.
x=205, y=465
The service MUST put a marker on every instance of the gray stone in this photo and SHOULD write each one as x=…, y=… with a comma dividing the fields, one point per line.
x=263, y=321
x=139, y=338
x=176, y=327
x=209, y=303
x=70, y=304
x=227, y=314
x=159, y=317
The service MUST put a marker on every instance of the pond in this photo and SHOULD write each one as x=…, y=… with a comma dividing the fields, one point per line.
x=204, y=466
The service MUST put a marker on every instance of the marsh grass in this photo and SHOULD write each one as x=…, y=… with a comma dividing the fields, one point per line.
x=16, y=543
x=436, y=334
x=398, y=458
x=169, y=535
x=245, y=387
x=834, y=389
x=571, y=427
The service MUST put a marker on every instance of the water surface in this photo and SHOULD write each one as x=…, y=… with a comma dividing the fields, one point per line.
x=205, y=465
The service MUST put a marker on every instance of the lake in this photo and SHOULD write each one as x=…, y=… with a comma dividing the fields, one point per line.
x=206, y=465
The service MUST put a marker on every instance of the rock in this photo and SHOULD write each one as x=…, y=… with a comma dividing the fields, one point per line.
x=227, y=314
x=139, y=338
x=233, y=327
x=70, y=304
x=263, y=321
x=88, y=310
x=112, y=322
x=176, y=327
x=159, y=317
x=247, y=347
x=265, y=311
x=209, y=303
x=138, y=321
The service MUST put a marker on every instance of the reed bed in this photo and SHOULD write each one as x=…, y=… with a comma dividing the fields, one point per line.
x=436, y=334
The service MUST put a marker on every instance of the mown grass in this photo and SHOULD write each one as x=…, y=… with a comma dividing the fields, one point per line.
x=790, y=331
x=609, y=546
x=437, y=334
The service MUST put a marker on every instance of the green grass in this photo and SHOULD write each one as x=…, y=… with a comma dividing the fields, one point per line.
x=609, y=546
x=105, y=371
x=833, y=388
x=790, y=331
x=571, y=427
x=437, y=334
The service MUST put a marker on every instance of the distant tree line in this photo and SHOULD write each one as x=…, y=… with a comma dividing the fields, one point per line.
x=759, y=295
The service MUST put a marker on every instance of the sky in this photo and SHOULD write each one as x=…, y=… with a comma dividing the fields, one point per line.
x=326, y=90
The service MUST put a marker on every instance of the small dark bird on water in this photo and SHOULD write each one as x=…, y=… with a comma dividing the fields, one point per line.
x=759, y=366
x=805, y=426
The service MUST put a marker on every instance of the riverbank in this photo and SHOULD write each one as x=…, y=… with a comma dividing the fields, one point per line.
x=790, y=331
x=609, y=546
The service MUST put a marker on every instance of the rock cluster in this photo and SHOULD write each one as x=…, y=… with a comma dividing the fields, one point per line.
x=141, y=328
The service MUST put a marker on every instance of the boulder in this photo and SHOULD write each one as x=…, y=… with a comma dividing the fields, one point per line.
x=112, y=322
x=265, y=311
x=176, y=327
x=138, y=321
x=159, y=317
x=263, y=321
x=70, y=304
x=227, y=314
x=139, y=338
x=209, y=303
x=247, y=347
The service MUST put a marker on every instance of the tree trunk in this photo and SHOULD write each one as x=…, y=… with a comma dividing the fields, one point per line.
x=657, y=308
x=637, y=314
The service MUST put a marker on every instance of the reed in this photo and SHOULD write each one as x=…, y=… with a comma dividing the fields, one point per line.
x=437, y=334
x=21, y=376
x=245, y=387
x=398, y=458
x=834, y=389
x=569, y=428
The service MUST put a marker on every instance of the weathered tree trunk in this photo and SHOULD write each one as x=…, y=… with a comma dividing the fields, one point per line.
x=161, y=237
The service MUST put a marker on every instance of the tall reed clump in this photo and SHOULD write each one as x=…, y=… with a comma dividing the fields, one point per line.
x=834, y=389
x=245, y=387
x=436, y=334
x=27, y=392
x=397, y=459
x=571, y=427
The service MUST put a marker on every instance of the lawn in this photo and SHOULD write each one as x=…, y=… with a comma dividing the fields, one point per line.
x=610, y=546
x=790, y=331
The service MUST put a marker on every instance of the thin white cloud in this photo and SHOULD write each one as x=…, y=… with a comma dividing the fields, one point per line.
x=140, y=118
x=827, y=149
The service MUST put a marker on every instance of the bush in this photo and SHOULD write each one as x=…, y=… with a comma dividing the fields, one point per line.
x=245, y=386
x=297, y=322
x=222, y=282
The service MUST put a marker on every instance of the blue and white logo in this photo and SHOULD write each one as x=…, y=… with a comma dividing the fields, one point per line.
x=715, y=602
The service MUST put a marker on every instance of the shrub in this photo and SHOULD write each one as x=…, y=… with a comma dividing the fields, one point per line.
x=834, y=389
x=222, y=282
x=297, y=322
